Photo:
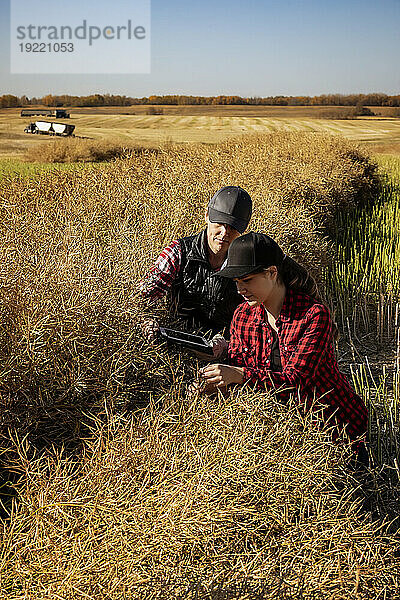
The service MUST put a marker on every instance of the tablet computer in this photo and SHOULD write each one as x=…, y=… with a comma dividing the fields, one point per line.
x=194, y=342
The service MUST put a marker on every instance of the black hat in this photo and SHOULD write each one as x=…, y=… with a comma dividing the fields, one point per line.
x=250, y=253
x=231, y=205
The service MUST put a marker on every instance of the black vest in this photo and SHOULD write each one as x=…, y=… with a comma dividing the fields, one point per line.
x=203, y=301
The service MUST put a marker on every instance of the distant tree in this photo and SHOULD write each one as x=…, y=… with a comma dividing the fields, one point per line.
x=9, y=101
x=358, y=101
x=49, y=100
x=362, y=111
x=152, y=110
x=394, y=101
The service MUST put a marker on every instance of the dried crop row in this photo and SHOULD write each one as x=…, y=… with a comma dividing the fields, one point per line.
x=200, y=499
x=73, y=245
x=188, y=494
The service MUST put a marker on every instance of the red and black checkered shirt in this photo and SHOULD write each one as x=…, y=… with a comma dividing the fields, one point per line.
x=309, y=367
x=161, y=276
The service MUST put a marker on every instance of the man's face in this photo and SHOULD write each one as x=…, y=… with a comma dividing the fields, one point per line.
x=220, y=236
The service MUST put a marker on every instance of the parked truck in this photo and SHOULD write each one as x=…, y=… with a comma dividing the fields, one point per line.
x=58, y=113
x=50, y=128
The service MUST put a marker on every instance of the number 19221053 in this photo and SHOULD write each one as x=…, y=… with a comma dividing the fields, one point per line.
x=47, y=47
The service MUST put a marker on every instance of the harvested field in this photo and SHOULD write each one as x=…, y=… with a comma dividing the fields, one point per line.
x=189, y=125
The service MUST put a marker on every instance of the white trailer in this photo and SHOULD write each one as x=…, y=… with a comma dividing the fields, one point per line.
x=43, y=126
x=50, y=128
x=59, y=128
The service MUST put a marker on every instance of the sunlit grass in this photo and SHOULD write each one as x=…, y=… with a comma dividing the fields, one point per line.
x=364, y=283
x=10, y=167
x=367, y=248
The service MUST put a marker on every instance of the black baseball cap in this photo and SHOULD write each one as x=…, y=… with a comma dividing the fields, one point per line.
x=250, y=253
x=231, y=205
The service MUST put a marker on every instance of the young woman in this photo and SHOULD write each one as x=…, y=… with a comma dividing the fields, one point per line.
x=281, y=336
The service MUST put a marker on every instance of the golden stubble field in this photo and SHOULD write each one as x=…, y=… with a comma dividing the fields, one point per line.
x=131, y=126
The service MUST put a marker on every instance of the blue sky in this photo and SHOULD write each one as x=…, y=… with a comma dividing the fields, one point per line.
x=258, y=48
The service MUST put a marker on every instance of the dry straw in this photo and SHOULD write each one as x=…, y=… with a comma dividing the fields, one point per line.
x=73, y=245
x=71, y=150
x=199, y=499
x=212, y=493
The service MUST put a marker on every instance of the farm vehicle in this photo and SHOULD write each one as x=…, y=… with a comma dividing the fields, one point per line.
x=50, y=128
x=58, y=113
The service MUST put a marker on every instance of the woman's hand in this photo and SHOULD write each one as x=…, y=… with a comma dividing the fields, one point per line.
x=200, y=387
x=221, y=375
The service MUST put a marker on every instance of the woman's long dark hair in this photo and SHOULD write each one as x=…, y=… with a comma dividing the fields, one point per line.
x=296, y=277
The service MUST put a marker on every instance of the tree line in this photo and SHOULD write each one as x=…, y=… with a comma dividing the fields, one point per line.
x=375, y=99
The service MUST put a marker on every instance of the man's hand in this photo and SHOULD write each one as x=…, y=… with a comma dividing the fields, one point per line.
x=221, y=375
x=150, y=329
x=219, y=345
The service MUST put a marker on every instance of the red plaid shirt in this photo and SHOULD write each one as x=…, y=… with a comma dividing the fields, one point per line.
x=162, y=274
x=309, y=365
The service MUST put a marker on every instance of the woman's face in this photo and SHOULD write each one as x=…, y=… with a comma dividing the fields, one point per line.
x=257, y=288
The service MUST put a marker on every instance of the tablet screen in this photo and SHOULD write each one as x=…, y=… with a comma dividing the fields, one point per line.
x=195, y=342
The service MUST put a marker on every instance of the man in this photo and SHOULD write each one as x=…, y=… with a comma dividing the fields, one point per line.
x=184, y=269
